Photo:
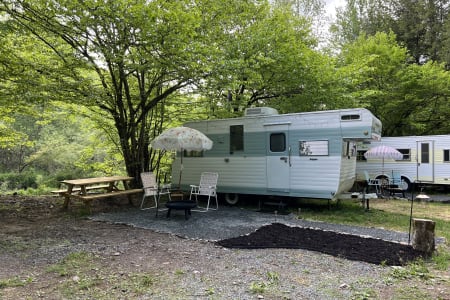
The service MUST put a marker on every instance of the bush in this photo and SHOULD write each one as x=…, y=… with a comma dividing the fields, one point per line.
x=13, y=181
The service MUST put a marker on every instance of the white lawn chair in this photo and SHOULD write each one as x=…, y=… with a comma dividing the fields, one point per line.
x=151, y=188
x=396, y=184
x=373, y=182
x=207, y=187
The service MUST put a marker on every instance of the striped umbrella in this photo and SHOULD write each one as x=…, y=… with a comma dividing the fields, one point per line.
x=383, y=152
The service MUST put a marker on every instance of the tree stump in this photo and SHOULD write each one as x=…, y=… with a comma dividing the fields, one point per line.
x=423, y=235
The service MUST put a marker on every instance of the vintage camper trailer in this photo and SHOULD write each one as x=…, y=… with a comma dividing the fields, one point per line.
x=426, y=159
x=311, y=154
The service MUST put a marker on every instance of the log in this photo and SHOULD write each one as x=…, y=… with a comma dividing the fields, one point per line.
x=423, y=235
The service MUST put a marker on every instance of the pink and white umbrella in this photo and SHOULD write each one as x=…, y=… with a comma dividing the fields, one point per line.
x=383, y=152
x=180, y=139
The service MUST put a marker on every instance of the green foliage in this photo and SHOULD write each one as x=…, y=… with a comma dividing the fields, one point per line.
x=11, y=181
x=420, y=26
x=410, y=99
x=88, y=86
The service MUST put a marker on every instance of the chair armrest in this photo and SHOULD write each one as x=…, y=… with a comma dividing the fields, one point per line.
x=192, y=185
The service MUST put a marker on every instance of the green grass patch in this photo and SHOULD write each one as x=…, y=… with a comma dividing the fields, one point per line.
x=73, y=264
x=14, y=282
x=352, y=213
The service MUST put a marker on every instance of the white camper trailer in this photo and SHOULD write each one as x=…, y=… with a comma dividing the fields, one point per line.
x=310, y=154
x=426, y=159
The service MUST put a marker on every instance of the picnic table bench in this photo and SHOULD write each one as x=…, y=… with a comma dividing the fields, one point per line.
x=104, y=187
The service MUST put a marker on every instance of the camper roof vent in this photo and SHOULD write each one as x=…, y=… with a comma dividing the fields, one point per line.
x=260, y=111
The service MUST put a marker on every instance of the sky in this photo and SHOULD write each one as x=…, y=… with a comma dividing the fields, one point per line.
x=331, y=5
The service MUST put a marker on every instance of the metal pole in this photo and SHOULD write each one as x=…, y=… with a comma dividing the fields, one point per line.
x=410, y=213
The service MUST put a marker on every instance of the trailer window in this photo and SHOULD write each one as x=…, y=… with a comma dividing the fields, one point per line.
x=406, y=154
x=193, y=153
x=349, y=149
x=446, y=155
x=360, y=155
x=425, y=149
x=350, y=117
x=313, y=148
x=236, y=138
x=277, y=142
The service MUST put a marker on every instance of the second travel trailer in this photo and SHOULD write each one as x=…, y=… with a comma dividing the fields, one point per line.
x=311, y=154
x=426, y=160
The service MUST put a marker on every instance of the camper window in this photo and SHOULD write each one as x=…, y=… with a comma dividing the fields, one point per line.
x=193, y=153
x=349, y=149
x=446, y=155
x=316, y=148
x=350, y=117
x=425, y=155
x=360, y=155
x=277, y=142
x=406, y=154
x=236, y=138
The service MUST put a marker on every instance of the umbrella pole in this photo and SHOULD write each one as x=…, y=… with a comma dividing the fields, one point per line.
x=181, y=170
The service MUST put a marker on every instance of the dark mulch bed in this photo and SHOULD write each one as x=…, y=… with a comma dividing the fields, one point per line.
x=347, y=246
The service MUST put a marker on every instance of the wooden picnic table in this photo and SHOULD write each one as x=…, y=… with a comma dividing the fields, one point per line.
x=104, y=187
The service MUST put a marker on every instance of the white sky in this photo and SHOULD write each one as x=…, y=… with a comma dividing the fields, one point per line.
x=331, y=5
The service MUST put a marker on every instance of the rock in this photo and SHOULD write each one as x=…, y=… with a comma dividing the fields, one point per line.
x=343, y=286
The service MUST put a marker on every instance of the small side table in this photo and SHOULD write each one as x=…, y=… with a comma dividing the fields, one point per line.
x=181, y=205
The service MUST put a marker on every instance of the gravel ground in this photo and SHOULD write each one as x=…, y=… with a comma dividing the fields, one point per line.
x=228, y=222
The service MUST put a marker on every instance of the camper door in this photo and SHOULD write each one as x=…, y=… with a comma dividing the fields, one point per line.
x=278, y=158
x=425, y=161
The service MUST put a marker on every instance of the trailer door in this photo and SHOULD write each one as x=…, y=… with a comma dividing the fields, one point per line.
x=425, y=161
x=277, y=159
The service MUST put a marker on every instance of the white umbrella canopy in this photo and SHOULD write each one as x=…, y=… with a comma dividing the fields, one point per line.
x=180, y=139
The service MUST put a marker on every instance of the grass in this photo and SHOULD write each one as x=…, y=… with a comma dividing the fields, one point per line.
x=82, y=274
x=14, y=282
x=389, y=214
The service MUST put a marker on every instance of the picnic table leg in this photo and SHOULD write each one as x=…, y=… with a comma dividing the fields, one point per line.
x=67, y=197
x=66, y=201
x=130, y=198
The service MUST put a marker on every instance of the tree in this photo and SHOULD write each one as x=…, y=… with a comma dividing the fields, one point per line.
x=419, y=25
x=277, y=67
x=409, y=99
x=127, y=58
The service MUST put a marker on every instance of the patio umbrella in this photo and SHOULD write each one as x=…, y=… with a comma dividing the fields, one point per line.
x=383, y=152
x=180, y=139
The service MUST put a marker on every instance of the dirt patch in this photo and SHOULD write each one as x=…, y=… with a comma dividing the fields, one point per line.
x=347, y=246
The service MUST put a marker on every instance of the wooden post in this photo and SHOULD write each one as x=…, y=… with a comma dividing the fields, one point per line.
x=423, y=235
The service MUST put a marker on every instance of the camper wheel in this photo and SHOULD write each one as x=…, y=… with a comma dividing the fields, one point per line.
x=405, y=184
x=231, y=198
